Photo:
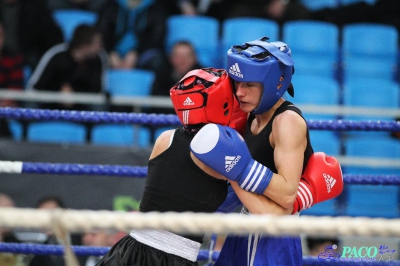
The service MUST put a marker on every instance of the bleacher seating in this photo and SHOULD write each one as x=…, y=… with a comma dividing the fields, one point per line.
x=368, y=200
x=369, y=50
x=129, y=82
x=326, y=141
x=201, y=31
x=349, y=2
x=69, y=19
x=383, y=147
x=314, y=5
x=120, y=135
x=319, y=90
x=372, y=201
x=328, y=207
x=242, y=29
x=16, y=129
x=57, y=132
x=372, y=93
x=314, y=45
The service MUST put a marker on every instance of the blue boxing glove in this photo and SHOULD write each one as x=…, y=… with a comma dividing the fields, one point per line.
x=223, y=149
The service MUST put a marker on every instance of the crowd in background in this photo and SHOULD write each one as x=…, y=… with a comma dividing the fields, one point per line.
x=131, y=34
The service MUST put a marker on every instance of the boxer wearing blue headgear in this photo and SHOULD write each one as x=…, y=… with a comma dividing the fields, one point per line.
x=269, y=63
x=274, y=158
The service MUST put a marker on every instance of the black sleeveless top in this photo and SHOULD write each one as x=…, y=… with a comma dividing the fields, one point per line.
x=175, y=183
x=259, y=146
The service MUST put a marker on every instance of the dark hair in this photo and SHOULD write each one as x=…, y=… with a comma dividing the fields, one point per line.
x=186, y=43
x=56, y=199
x=183, y=42
x=83, y=35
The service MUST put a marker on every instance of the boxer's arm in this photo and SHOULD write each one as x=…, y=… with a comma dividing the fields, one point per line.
x=259, y=204
x=289, y=140
x=256, y=204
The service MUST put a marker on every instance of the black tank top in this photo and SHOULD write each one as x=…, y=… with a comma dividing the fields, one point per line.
x=259, y=145
x=175, y=183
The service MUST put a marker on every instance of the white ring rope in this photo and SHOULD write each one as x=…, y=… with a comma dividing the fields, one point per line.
x=234, y=223
x=11, y=167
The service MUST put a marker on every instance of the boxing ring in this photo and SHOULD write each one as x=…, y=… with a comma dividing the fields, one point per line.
x=64, y=222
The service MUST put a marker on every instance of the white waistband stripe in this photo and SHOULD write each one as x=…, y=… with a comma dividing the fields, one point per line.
x=168, y=242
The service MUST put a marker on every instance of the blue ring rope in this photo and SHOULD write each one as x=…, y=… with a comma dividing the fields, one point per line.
x=204, y=255
x=172, y=120
x=141, y=172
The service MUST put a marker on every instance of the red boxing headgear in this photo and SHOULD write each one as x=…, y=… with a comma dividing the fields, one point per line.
x=203, y=96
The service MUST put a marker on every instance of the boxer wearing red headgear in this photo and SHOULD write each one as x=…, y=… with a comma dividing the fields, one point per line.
x=205, y=96
x=174, y=182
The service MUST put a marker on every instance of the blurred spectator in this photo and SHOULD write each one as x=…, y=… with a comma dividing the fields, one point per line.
x=49, y=203
x=91, y=5
x=77, y=66
x=382, y=11
x=11, y=77
x=182, y=59
x=387, y=12
x=212, y=8
x=6, y=235
x=282, y=11
x=6, y=201
x=278, y=10
x=352, y=13
x=30, y=28
x=96, y=238
x=133, y=33
x=9, y=259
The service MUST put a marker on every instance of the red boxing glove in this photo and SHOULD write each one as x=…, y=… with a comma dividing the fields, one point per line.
x=322, y=180
x=238, y=118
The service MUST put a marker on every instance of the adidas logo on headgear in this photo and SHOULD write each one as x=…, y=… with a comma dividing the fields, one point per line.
x=235, y=70
x=188, y=101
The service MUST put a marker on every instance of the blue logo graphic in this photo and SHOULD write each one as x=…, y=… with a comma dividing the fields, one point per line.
x=329, y=254
x=385, y=249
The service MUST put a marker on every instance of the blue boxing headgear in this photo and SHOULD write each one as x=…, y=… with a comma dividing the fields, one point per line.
x=261, y=61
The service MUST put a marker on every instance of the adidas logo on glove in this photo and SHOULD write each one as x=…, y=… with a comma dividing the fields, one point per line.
x=230, y=162
x=330, y=182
